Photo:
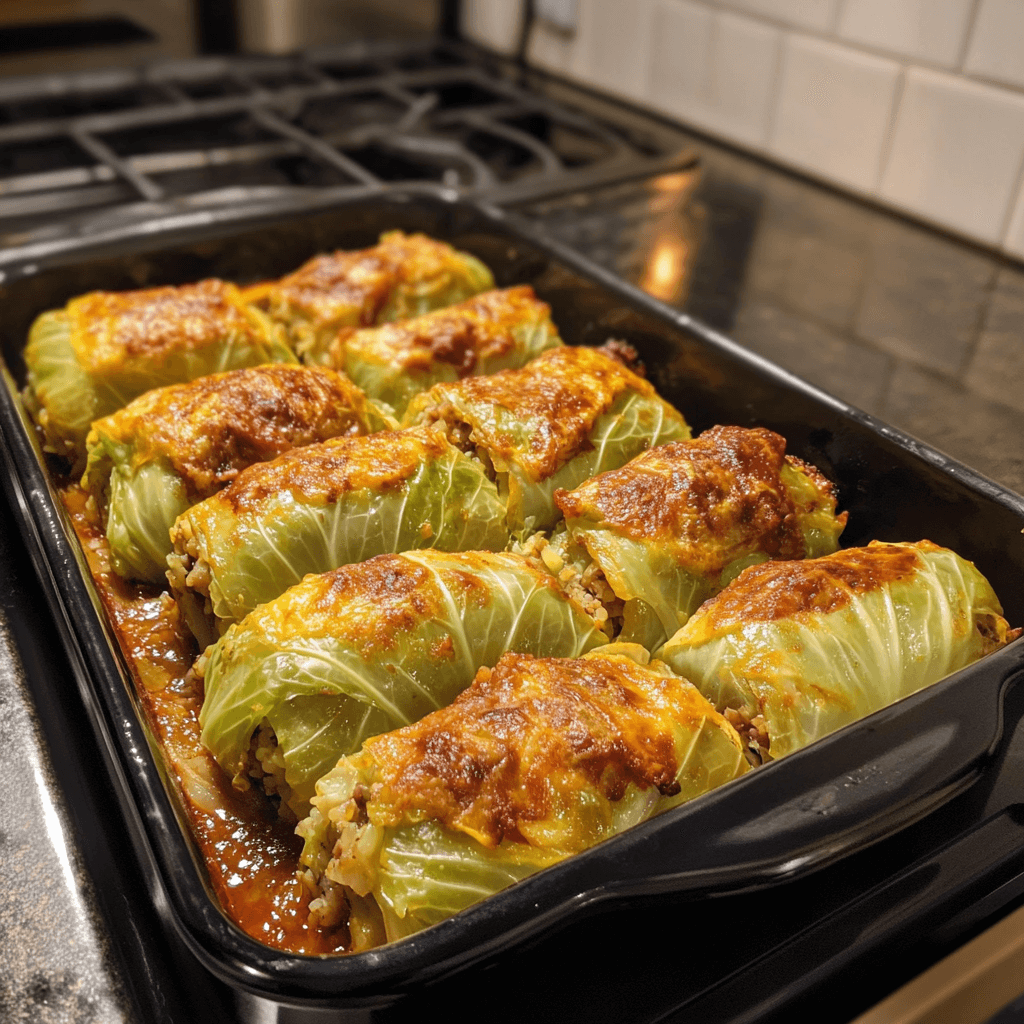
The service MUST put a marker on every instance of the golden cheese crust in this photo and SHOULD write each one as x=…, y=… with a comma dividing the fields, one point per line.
x=531, y=728
x=110, y=329
x=540, y=415
x=460, y=336
x=326, y=471
x=213, y=427
x=382, y=598
x=706, y=496
x=354, y=286
x=781, y=590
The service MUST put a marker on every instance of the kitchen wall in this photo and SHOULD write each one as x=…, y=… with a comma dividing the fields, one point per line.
x=917, y=104
x=282, y=26
x=169, y=22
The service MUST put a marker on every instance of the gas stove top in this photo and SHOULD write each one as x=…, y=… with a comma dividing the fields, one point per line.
x=81, y=154
x=87, y=154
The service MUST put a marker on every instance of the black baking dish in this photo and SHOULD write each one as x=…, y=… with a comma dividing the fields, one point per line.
x=776, y=825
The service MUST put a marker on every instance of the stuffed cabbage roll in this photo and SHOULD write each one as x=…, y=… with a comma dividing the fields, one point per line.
x=657, y=537
x=173, y=446
x=366, y=648
x=539, y=759
x=496, y=330
x=326, y=505
x=791, y=651
x=564, y=417
x=106, y=348
x=402, y=276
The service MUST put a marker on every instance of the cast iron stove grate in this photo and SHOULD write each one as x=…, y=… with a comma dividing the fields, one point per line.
x=85, y=153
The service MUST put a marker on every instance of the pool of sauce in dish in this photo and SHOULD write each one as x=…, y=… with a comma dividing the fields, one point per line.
x=251, y=855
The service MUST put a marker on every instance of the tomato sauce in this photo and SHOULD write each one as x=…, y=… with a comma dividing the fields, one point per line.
x=251, y=855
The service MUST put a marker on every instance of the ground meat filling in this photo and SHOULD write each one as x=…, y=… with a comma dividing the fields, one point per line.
x=329, y=906
x=178, y=567
x=187, y=568
x=625, y=354
x=588, y=586
x=190, y=576
x=332, y=899
x=753, y=731
x=460, y=435
x=264, y=764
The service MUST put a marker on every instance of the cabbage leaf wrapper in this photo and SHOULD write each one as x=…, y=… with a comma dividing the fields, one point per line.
x=402, y=276
x=677, y=523
x=171, y=447
x=370, y=647
x=326, y=505
x=566, y=416
x=496, y=330
x=794, y=650
x=106, y=348
x=539, y=759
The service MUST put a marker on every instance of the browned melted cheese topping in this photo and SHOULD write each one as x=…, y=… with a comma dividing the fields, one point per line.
x=459, y=335
x=251, y=856
x=371, y=604
x=554, y=401
x=722, y=487
x=329, y=287
x=324, y=472
x=112, y=329
x=215, y=426
x=382, y=598
x=498, y=756
x=782, y=590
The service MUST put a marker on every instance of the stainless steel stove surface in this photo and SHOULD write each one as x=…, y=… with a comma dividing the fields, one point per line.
x=88, y=153
x=80, y=153
x=797, y=272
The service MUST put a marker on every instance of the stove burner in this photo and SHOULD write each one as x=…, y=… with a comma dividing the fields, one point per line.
x=82, y=152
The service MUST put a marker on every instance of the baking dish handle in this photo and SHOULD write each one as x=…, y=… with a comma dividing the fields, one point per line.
x=848, y=791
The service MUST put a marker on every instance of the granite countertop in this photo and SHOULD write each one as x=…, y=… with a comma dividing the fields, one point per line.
x=912, y=326
x=915, y=327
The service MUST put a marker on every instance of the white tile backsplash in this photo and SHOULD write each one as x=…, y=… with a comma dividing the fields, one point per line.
x=493, y=23
x=918, y=104
x=615, y=40
x=813, y=14
x=680, y=64
x=997, y=42
x=833, y=110
x=713, y=70
x=1013, y=242
x=931, y=30
x=956, y=153
x=744, y=74
x=553, y=50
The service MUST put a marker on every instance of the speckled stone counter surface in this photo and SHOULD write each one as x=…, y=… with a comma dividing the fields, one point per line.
x=914, y=327
x=909, y=325
x=79, y=937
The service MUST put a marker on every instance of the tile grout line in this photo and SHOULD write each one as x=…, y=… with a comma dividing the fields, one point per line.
x=889, y=139
x=767, y=150
x=977, y=329
x=725, y=5
x=851, y=341
x=869, y=49
x=1016, y=195
x=646, y=44
x=775, y=90
x=862, y=284
x=845, y=331
x=714, y=34
x=837, y=17
x=887, y=387
x=965, y=46
x=987, y=80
